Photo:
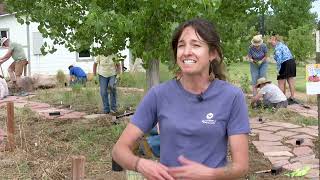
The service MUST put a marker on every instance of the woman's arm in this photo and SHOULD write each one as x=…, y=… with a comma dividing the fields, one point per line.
x=240, y=159
x=236, y=169
x=6, y=56
x=123, y=155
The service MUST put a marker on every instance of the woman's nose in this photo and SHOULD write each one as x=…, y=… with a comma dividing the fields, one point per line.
x=187, y=50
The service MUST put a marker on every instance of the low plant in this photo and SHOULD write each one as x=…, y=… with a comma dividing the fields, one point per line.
x=61, y=77
x=245, y=83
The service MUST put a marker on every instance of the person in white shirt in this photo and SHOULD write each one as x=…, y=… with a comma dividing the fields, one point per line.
x=271, y=94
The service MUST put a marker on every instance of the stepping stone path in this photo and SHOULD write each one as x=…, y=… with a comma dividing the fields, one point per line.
x=277, y=142
x=42, y=109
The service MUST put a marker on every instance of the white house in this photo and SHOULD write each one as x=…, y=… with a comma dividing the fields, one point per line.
x=32, y=40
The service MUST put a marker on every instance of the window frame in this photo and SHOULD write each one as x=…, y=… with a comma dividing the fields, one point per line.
x=83, y=59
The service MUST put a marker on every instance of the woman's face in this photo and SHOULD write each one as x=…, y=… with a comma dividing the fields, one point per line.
x=193, y=55
x=273, y=41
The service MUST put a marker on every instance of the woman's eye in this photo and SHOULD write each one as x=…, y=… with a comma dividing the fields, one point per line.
x=180, y=45
x=196, y=45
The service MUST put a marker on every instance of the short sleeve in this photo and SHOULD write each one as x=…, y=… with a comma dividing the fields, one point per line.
x=71, y=71
x=97, y=59
x=263, y=90
x=239, y=118
x=250, y=51
x=145, y=117
x=265, y=49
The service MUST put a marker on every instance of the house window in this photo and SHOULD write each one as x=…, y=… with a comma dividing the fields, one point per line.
x=4, y=33
x=84, y=56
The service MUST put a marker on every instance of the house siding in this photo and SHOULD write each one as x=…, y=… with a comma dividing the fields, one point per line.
x=48, y=64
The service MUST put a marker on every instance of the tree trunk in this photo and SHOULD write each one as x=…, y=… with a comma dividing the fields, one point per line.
x=152, y=73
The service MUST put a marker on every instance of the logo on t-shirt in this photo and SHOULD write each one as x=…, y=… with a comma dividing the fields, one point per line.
x=209, y=119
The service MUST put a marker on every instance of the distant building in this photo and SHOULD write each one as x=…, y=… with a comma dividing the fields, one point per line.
x=39, y=64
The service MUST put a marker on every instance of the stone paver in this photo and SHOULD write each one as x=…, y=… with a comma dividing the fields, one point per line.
x=258, y=125
x=303, y=158
x=269, y=137
x=285, y=133
x=264, y=149
x=304, y=136
x=302, y=151
x=271, y=128
x=309, y=131
x=282, y=124
x=267, y=143
x=306, y=142
x=278, y=153
x=257, y=131
x=293, y=166
x=95, y=116
x=274, y=160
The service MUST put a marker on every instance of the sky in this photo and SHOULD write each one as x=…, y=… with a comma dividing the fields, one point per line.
x=316, y=8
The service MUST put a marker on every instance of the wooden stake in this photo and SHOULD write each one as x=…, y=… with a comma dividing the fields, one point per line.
x=78, y=167
x=10, y=126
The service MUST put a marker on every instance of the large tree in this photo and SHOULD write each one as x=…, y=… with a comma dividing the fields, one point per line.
x=105, y=26
x=288, y=15
x=108, y=24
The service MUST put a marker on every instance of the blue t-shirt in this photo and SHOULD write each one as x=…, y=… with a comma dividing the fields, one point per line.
x=77, y=72
x=281, y=54
x=193, y=127
x=258, y=53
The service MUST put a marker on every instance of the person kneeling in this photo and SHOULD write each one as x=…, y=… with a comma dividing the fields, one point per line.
x=271, y=94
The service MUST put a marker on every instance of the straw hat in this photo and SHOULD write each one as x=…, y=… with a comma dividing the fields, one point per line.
x=257, y=40
x=261, y=81
x=4, y=39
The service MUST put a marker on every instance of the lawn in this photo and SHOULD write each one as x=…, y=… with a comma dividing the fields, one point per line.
x=238, y=70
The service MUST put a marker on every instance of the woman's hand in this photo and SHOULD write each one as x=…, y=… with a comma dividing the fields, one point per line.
x=191, y=170
x=152, y=170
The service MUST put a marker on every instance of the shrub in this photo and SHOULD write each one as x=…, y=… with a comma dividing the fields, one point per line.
x=301, y=43
x=61, y=77
x=245, y=83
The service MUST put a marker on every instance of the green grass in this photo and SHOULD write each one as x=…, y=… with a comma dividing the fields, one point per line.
x=138, y=79
x=237, y=70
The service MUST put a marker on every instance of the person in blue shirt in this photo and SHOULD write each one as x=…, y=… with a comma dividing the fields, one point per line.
x=286, y=66
x=77, y=75
x=201, y=117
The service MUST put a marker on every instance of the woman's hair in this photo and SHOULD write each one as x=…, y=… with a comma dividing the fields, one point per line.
x=208, y=33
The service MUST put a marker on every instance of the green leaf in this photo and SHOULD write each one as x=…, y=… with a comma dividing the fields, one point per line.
x=299, y=172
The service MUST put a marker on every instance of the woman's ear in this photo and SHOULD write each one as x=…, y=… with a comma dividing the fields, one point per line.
x=213, y=55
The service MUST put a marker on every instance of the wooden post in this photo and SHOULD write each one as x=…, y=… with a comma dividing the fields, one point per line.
x=318, y=62
x=10, y=126
x=78, y=167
